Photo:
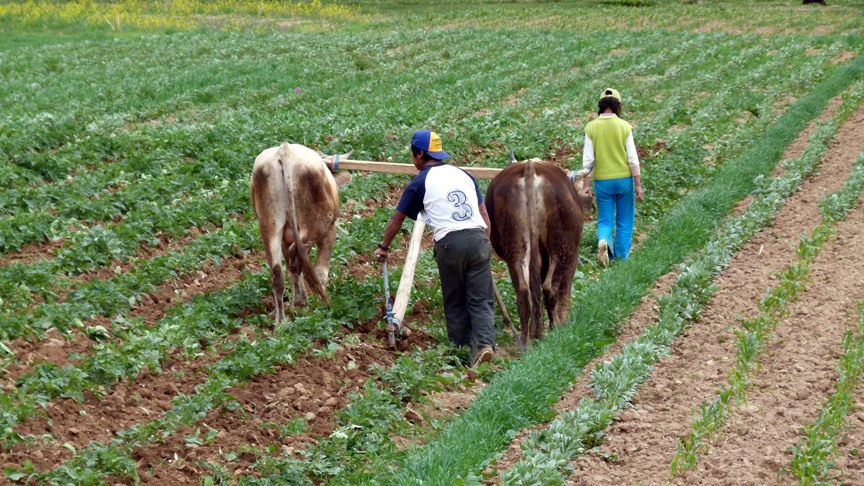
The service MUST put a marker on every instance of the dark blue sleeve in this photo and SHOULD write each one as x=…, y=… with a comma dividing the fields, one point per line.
x=411, y=202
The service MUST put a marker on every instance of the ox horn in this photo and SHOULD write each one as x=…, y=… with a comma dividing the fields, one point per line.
x=512, y=157
x=332, y=162
x=330, y=158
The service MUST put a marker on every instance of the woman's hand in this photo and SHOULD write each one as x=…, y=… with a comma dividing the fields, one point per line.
x=639, y=195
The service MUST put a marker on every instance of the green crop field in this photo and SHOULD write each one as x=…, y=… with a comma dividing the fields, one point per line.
x=136, y=333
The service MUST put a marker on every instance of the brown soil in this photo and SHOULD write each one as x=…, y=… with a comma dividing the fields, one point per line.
x=55, y=348
x=850, y=453
x=127, y=404
x=311, y=390
x=639, y=447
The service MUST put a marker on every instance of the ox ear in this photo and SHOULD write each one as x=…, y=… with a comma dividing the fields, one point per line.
x=342, y=178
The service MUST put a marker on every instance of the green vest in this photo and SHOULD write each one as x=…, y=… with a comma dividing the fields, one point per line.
x=609, y=137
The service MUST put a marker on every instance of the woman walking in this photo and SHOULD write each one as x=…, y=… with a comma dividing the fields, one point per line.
x=610, y=154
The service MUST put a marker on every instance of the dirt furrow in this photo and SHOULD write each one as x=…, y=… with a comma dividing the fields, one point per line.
x=311, y=390
x=643, y=316
x=797, y=371
x=126, y=403
x=639, y=447
x=58, y=349
x=51, y=347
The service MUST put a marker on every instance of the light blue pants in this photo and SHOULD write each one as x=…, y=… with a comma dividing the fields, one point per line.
x=616, y=208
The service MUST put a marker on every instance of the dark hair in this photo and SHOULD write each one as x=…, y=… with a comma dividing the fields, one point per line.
x=609, y=102
x=416, y=151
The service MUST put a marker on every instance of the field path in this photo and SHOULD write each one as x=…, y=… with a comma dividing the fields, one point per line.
x=798, y=370
x=639, y=447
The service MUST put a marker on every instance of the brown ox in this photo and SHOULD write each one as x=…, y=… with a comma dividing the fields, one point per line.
x=536, y=217
x=294, y=193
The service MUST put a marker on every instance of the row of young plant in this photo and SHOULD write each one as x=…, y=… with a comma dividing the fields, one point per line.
x=364, y=446
x=813, y=457
x=546, y=454
x=36, y=274
x=247, y=359
x=516, y=71
x=115, y=295
x=133, y=346
x=755, y=331
x=146, y=200
x=779, y=60
x=101, y=246
x=522, y=395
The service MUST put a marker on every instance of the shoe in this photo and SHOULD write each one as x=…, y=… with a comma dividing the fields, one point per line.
x=484, y=356
x=603, y=253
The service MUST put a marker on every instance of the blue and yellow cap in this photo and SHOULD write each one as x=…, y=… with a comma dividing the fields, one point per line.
x=430, y=143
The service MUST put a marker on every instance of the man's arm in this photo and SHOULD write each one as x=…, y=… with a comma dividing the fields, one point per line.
x=393, y=227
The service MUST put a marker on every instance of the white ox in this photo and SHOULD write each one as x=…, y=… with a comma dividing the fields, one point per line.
x=294, y=193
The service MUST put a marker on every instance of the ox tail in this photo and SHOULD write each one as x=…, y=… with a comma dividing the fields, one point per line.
x=306, y=267
x=533, y=248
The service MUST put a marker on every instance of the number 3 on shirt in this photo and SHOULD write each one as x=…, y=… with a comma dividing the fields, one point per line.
x=463, y=212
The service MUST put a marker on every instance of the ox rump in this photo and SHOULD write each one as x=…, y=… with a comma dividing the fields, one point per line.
x=296, y=200
x=536, y=218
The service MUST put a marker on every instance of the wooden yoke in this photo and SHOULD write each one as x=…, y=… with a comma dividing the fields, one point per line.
x=408, y=169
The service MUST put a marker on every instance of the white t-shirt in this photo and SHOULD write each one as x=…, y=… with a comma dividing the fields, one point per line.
x=446, y=197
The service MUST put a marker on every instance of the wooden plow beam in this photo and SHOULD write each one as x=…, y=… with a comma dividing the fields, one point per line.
x=408, y=169
x=400, y=304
